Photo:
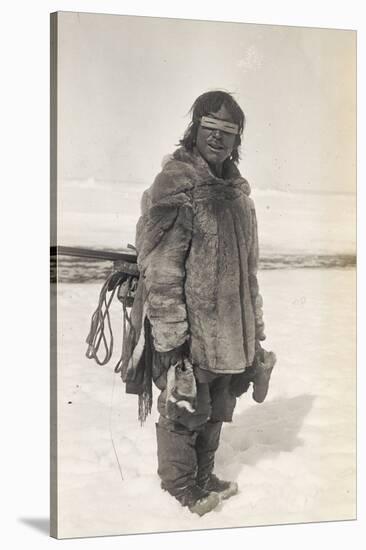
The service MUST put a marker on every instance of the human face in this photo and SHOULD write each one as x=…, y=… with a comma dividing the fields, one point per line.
x=215, y=145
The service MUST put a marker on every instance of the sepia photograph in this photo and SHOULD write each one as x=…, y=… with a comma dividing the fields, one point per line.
x=203, y=274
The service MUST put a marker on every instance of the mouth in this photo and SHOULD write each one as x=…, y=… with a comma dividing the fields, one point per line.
x=216, y=147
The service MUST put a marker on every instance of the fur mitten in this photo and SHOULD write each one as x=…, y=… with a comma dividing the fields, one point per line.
x=181, y=388
x=263, y=365
x=162, y=362
x=259, y=374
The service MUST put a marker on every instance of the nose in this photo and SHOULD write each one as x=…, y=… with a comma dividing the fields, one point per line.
x=217, y=133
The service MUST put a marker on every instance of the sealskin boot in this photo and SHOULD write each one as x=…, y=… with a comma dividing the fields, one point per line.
x=202, y=501
x=224, y=489
x=177, y=467
x=199, y=500
x=206, y=446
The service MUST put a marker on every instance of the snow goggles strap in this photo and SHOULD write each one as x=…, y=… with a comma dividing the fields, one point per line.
x=216, y=124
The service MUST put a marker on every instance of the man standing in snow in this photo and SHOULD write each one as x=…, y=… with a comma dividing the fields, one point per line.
x=198, y=312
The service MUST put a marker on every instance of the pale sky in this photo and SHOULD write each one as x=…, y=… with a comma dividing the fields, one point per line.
x=126, y=85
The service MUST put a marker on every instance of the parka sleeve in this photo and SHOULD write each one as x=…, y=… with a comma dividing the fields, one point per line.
x=163, y=238
x=253, y=261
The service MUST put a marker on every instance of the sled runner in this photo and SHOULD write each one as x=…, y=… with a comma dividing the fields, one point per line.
x=128, y=256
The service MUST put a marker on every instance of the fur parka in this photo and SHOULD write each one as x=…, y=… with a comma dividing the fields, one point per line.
x=198, y=256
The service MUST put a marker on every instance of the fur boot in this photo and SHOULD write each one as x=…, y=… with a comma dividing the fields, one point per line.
x=206, y=446
x=177, y=467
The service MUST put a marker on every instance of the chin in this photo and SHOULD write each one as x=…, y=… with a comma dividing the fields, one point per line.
x=215, y=158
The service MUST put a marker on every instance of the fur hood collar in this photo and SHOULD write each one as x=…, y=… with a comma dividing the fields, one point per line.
x=204, y=175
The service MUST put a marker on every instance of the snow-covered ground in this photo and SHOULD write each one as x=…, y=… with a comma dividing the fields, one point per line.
x=293, y=456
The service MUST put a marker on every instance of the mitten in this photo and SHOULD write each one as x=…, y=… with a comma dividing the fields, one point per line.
x=181, y=389
x=264, y=362
x=163, y=360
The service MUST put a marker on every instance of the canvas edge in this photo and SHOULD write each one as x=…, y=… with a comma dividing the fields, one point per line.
x=53, y=277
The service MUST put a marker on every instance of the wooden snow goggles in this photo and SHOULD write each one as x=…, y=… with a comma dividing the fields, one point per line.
x=216, y=124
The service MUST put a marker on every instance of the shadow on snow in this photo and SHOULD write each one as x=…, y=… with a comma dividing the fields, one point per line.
x=263, y=430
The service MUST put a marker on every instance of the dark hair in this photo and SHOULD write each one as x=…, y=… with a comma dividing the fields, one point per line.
x=211, y=102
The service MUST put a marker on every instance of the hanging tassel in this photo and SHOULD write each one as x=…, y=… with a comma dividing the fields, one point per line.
x=145, y=399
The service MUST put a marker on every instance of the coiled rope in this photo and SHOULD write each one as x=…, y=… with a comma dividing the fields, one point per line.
x=124, y=282
x=101, y=321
